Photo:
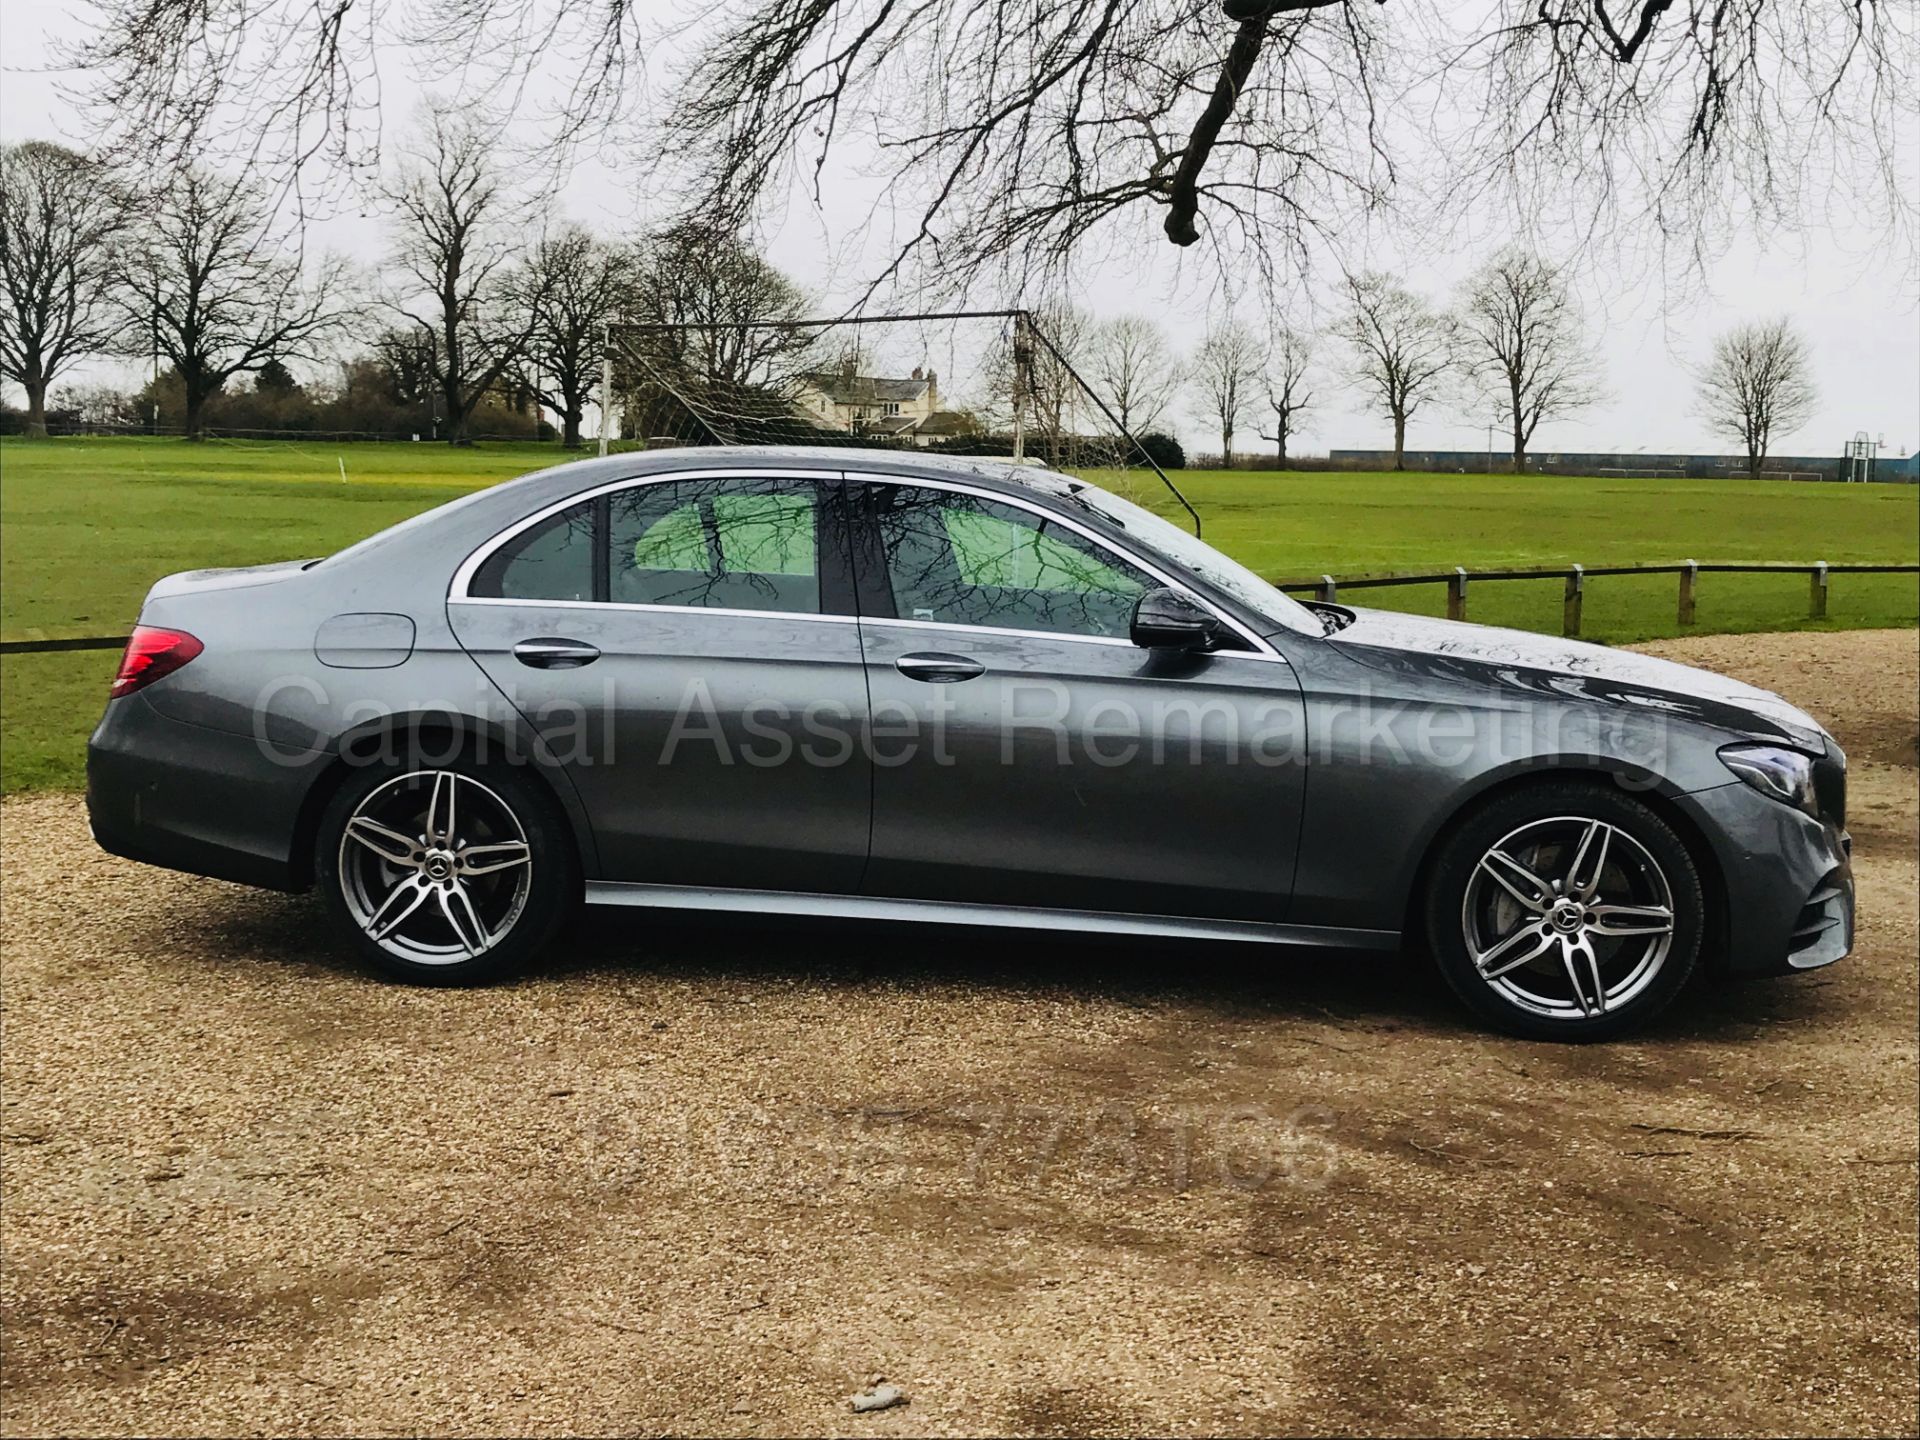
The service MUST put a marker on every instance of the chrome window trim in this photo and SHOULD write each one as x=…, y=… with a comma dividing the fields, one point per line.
x=1261, y=648
x=1022, y=634
x=462, y=584
x=1261, y=657
x=457, y=590
x=811, y=615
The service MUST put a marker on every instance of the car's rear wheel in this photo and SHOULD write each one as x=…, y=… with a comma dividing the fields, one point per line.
x=1565, y=911
x=446, y=875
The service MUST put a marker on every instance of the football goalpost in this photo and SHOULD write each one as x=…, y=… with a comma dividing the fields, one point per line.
x=984, y=383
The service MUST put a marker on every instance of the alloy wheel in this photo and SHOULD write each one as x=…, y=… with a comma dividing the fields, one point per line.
x=435, y=867
x=1568, y=918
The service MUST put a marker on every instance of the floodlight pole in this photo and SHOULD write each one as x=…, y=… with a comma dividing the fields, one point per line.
x=606, y=381
x=1022, y=363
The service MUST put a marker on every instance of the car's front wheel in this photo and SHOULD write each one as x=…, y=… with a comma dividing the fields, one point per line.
x=1565, y=911
x=446, y=875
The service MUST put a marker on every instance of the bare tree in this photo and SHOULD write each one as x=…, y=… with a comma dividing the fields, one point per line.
x=454, y=243
x=737, y=359
x=1032, y=375
x=58, y=218
x=1401, y=350
x=576, y=284
x=1226, y=378
x=1527, y=344
x=205, y=279
x=1757, y=386
x=1056, y=397
x=1018, y=131
x=1134, y=369
x=1289, y=374
x=695, y=274
x=97, y=405
x=404, y=354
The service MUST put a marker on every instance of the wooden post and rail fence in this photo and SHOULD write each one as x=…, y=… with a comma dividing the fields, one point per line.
x=1329, y=588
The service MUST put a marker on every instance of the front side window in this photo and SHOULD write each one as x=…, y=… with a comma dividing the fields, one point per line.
x=1194, y=555
x=959, y=559
x=732, y=542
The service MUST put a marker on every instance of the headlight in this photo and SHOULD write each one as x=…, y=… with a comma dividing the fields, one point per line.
x=1786, y=775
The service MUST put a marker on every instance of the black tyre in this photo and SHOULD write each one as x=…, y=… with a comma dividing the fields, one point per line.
x=1567, y=910
x=448, y=874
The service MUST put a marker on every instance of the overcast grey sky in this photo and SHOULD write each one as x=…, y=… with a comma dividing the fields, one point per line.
x=1851, y=293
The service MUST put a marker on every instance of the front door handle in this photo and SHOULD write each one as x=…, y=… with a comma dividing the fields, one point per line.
x=554, y=654
x=937, y=668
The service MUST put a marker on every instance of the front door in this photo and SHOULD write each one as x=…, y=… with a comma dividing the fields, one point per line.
x=687, y=648
x=1026, y=752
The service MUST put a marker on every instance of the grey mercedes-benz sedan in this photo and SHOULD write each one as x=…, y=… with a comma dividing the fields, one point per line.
x=874, y=684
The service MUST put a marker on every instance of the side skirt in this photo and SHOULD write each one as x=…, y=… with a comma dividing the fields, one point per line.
x=956, y=912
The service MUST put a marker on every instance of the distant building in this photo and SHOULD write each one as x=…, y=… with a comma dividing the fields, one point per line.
x=1641, y=464
x=906, y=409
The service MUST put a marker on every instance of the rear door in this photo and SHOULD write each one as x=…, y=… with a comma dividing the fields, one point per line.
x=687, y=647
x=1026, y=752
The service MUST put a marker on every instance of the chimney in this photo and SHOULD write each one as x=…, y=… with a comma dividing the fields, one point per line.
x=933, y=390
x=918, y=374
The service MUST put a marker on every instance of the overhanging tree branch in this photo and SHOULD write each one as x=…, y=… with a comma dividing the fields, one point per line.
x=1183, y=191
x=1625, y=50
x=1005, y=136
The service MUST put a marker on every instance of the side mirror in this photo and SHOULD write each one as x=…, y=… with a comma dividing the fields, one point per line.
x=1167, y=620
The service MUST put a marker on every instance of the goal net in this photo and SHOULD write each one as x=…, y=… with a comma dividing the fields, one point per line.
x=955, y=383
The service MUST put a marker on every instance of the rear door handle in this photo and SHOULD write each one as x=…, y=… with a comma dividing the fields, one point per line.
x=937, y=668
x=554, y=654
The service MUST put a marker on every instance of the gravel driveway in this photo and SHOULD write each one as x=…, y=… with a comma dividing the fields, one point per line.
x=705, y=1177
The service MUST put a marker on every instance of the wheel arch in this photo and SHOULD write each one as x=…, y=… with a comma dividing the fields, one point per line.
x=439, y=734
x=1657, y=794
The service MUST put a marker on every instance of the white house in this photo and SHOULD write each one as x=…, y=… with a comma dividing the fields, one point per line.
x=874, y=405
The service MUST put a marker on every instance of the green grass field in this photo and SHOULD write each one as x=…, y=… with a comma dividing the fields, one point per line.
x=87, y=525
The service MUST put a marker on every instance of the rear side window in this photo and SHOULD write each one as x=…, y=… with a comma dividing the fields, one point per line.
x=733, y=542
x=553, y=560
x=726, y=542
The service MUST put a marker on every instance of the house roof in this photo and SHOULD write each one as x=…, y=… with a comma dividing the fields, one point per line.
x=949, y=422
x=864, y=389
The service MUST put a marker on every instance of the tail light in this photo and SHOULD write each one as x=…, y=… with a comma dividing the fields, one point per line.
x=152, y=652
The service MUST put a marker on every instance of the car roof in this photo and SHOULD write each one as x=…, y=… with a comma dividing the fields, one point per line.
x=460, y=524
x=1008, y=473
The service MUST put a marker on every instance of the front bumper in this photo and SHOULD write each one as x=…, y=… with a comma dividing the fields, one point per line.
x=190, y=798
x=1788, y=877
